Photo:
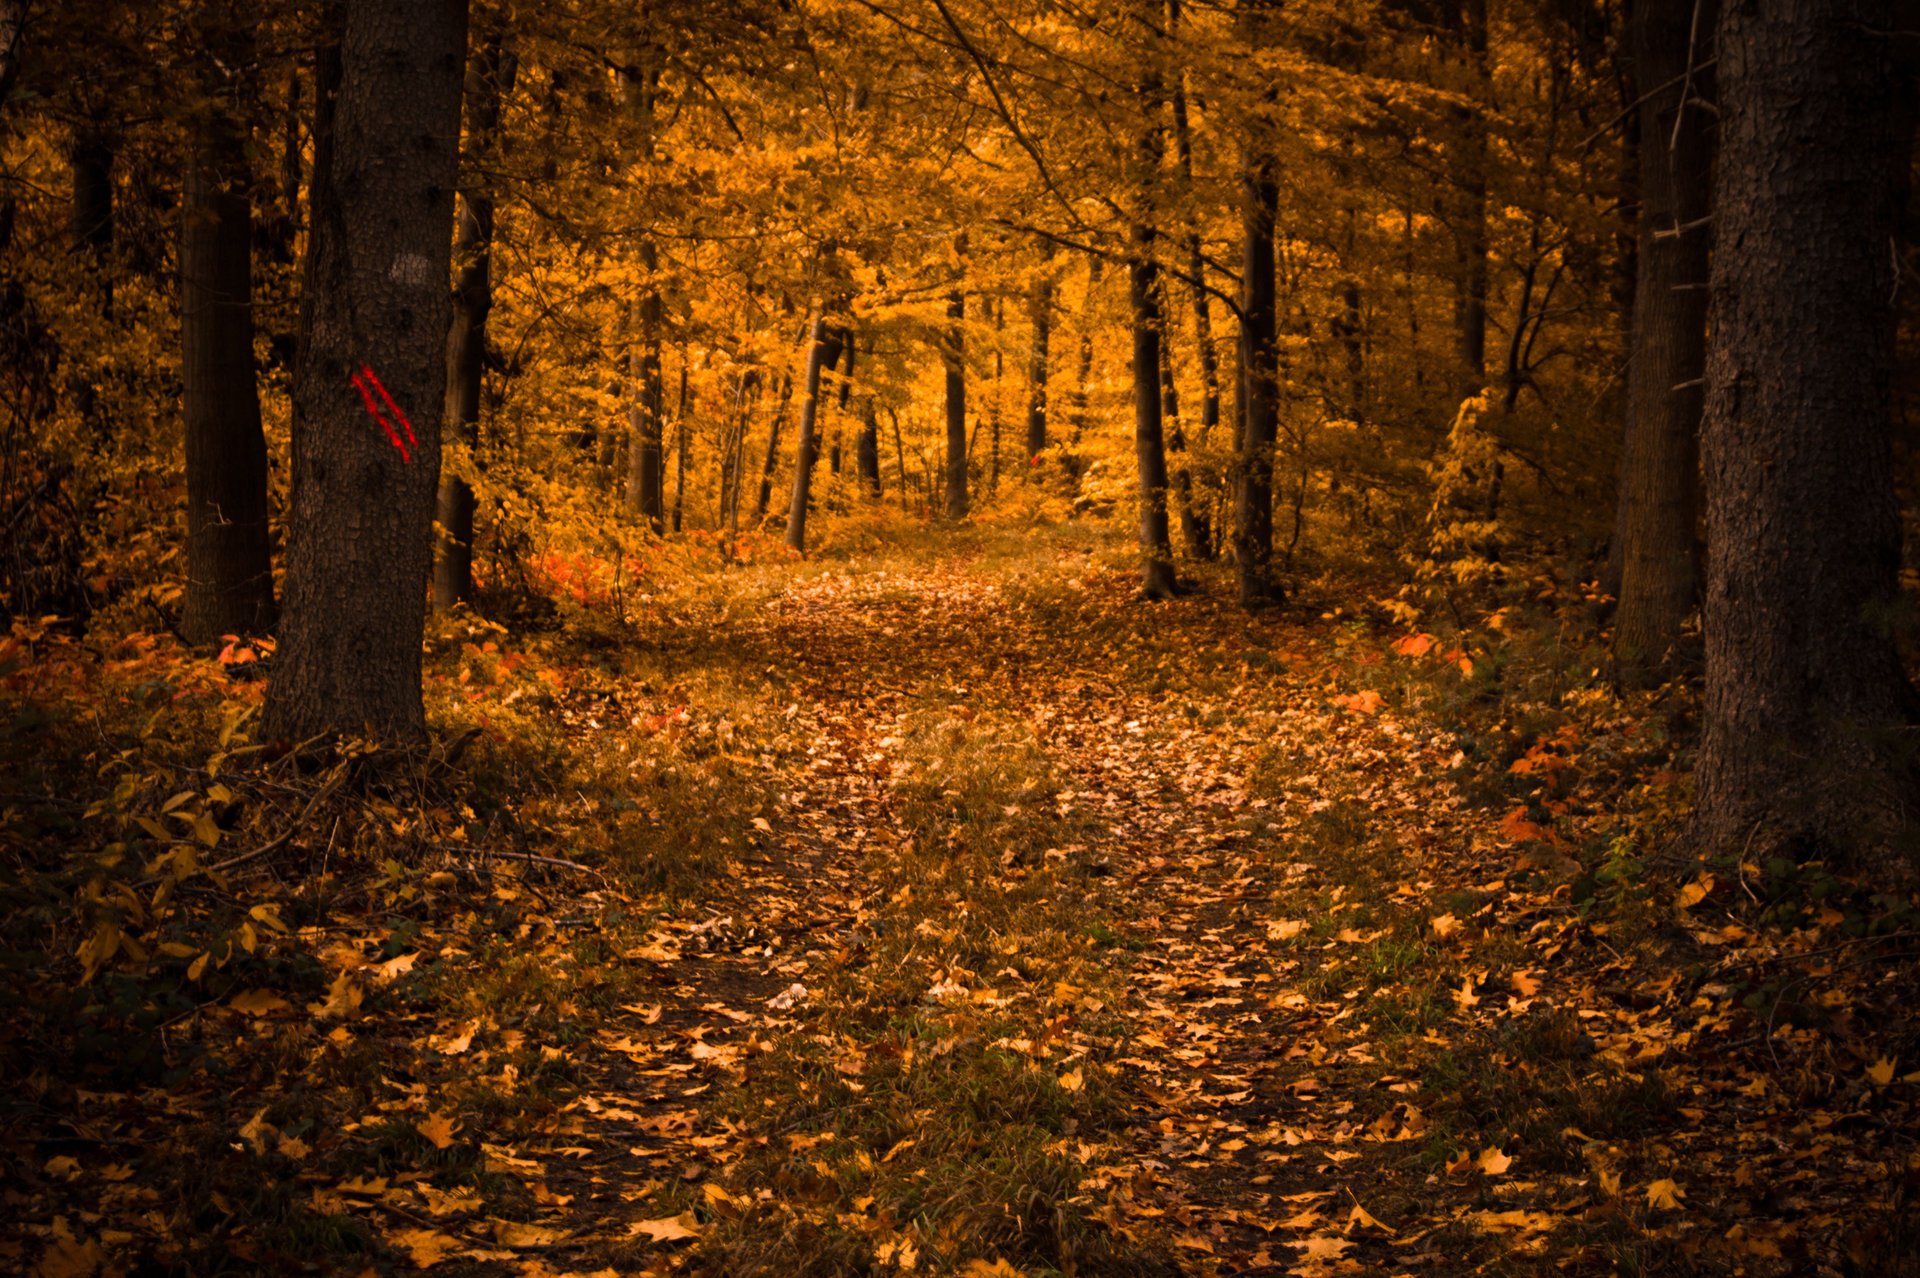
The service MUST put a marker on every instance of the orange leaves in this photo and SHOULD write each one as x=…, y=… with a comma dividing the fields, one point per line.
x=1423, y=645
x=1364, y=702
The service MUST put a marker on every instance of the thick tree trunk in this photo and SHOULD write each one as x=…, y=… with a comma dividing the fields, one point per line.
x=1659, y=462
x=1149, y=448
x=1195, y=531
x=1807, y=744
x=489, y=75
x=13, y=25
x=823, y=350
x=229, y=587
x=645, y=471
x=953, y=353
x=1253, y=491
x=381, y=243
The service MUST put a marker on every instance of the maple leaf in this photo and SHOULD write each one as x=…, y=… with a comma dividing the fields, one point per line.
x=1323, y=1247
x=438, y=1129
x=1445, y=925
x=1881, y=1071
x=1493, y=1162
x=1365, y=702
x=1517, y=828
x=1665, y=1195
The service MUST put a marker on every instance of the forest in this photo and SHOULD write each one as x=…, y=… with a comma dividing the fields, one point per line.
x=982, y=637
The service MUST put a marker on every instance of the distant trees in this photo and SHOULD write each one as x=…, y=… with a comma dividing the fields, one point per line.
x=1808, y=741
x=372, y=379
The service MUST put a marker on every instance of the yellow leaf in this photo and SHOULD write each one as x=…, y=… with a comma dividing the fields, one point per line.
x=438, y=1129
x=515, y=1233
x=343, y=999
x=667, y=1229
x=1525, y=984
x=1361, y=1218
x=1881, y=1071
x=1072, y=1080
x=256, y=1130
x=1691, y=894
x=1445, y=925
x=258, y=1003
x=1323, y=1247
x=425, y=1247
x=1493, y=1162
x=1464, y=996
x=1664, y=1194
x=991, y=1269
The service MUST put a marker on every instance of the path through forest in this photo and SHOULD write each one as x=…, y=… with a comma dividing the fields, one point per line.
x=1207, y=806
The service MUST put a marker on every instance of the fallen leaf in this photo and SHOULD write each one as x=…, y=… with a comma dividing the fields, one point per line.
x=1493, y=1162
x=667, y=1229
x=438, y=1129
x=1665, y=1195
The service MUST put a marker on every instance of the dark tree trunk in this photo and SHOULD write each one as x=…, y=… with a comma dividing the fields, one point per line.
x=90, y=219
x=773, y=446
x=1040, y=316
x=953, y=353
x=229, y=586
x=646, y=472
x=1470, y=319
x=13, y=25
x=823, y=350
x=1807, y=728
x=1253, y=493
x=1195, y=531
x=381, y=243
x=1083, y=383
x=1149, y=448
x=683, y=443
x=1659, y=461
x=867, y=449
x=490, y=74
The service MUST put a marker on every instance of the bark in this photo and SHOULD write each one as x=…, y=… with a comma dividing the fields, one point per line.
x=229, y=588
x=381, y=244
x=683, y=443
x=1195, y=530
x=1806, y=705
x=1253, y=491
x=647, y=316
x=13, y=25
x=824, y=344
x=773, y=448
x=1150, y=457
x=1470, y=317
x=954, y=354
x=1656, y=516
x=489, y=74
x=1040, y=317
x=867, y=449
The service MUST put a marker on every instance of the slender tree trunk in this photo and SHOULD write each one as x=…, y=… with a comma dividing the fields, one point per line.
x=647, y=315
x=682, y=443
x=1659, y=463
x=229, y=586
x=382, y=235
x=823, y=350
x=1040, y=316
x=1807, y=743
x=13, y=25
x=489, y=75
x=1471, y=232
x=1253, y=493
x=91, y=218
x=1156, y=548
x=953, y=353
x=773, y=447
x=867, y=451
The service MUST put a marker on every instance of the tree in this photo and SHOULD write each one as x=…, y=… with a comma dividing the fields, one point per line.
x=1040, y=317
x=1807, y=735
x=824, y=343
x=490, y=74
x=229, y=588
x=1659, y=461
x=953, y=353
x=1253, y=489
x=372, y=379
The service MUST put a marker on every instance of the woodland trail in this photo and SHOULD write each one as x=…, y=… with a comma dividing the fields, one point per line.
x=1175, y=866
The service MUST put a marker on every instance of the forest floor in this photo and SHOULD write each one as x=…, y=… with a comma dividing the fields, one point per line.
x=942, y=911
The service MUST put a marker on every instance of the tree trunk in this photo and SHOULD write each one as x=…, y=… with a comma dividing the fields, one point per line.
x=823, y=350
x=867, y=449
x=1806, y=705
x=1659, y=462
x=1040, y=315
x=360, y=543
x=1150, y=456
x=773, y=446
x=229, y=586
x=954, y=353
x=1260, y=396
x=683, y=443
x=488, y=76
x=647, y=316
x=1471, y=232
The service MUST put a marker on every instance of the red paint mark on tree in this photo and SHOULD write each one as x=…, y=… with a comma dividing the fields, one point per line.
x=367, y=384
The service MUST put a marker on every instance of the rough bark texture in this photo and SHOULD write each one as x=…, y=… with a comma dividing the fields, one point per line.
x=1471, y=231
x=867, y=450
x=1807, y=737
x=1253, y=493
x=645, y=495
x=1659, y=460
x=773, y=447
x=229, y=588
x=382, y=236
x=823, y=351
x=489, y=73
x=954, y=353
